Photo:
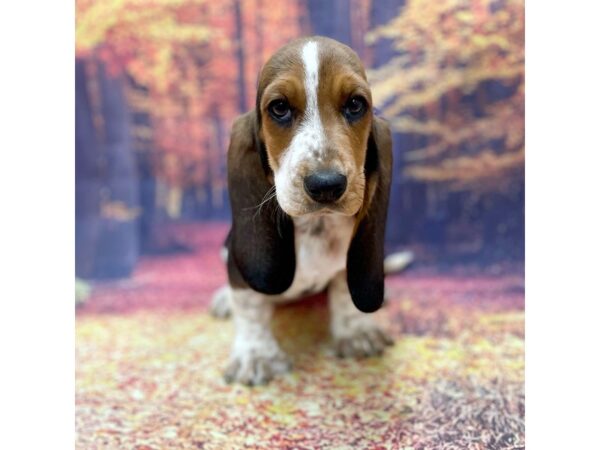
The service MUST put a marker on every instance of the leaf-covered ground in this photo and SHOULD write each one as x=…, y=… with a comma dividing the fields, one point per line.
x=150, y=357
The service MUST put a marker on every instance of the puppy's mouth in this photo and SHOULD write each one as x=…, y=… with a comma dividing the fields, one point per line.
x=308, y=207
x=321, y=210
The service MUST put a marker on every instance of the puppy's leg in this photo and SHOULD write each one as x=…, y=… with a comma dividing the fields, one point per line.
x=256, y=356
x=221, y=302
x=355, y=333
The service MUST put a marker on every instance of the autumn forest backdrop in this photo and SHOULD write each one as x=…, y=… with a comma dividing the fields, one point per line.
x=159, y=82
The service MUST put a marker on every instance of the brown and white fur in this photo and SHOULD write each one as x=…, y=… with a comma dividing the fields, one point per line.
x=313, y=115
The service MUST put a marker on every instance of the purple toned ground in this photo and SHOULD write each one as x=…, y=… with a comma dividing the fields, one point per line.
x=149, y=362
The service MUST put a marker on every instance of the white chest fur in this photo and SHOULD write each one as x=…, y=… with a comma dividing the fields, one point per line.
x=321, y=249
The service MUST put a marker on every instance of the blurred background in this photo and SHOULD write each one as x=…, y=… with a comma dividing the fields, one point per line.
x=159, y=82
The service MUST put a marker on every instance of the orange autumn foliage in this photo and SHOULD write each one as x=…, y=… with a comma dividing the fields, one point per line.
x=181, y=57
x=445, y=50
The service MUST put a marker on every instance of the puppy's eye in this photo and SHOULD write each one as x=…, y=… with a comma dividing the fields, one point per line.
x=280, y=110
x=355, y=108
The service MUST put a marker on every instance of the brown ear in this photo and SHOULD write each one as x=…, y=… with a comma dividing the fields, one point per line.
x=261, y=240
x=365, y=256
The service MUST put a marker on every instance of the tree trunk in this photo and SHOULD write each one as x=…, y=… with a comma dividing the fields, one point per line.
x=107, y=194
x=87, y=194
x=331, y=19
x=239, y=36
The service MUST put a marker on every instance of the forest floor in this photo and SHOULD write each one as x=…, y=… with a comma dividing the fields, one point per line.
x=150, y=358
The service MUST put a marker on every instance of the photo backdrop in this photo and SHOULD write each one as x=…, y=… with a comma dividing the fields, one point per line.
x=159, y=82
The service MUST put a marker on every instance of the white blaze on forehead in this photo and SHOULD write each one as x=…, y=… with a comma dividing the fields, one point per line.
x=311, y=128
x=310, y=59
x=309, y=140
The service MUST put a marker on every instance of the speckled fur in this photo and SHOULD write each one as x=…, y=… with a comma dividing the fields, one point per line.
x=321, y=244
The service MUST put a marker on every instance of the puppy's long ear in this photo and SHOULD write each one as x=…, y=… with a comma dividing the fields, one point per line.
x=261, y=241
x=365, y=256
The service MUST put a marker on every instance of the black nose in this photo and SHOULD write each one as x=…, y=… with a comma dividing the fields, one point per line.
x=325, y=186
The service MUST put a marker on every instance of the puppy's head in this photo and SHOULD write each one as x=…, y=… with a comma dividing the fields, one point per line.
x=314, y=109
x=313, y=143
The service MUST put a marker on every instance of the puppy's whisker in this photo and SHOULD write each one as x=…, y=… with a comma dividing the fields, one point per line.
x=279, y=218
x=269, y=195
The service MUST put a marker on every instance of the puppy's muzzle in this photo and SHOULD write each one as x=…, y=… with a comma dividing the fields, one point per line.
x=325, y=186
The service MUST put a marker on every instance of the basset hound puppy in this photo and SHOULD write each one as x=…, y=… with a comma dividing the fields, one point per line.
x=309, y=173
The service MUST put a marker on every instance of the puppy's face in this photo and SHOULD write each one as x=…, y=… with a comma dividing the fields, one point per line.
x=315, y=112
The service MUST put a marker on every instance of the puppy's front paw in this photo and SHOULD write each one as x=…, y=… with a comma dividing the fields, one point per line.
x=256, y=366
x=362, y=343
